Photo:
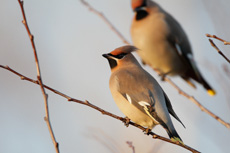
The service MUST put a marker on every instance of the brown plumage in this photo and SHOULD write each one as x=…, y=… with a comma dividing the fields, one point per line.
x=137, y=94
x=163, y=43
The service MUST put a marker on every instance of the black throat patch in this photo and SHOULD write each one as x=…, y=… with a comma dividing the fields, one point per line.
x=112, y=63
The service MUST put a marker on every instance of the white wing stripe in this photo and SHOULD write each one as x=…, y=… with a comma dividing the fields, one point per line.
x=129, y=98
x=178, y=49
x=143, y=103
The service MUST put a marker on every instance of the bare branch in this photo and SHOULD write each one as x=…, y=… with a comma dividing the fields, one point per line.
x=191, y=98
x=218, y=38
x=104, y=112
x=105, y=20
x=46, y=118
x=218, y=50
x=130, y=144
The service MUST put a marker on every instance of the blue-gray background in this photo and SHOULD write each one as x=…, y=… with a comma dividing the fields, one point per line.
x=70, y=41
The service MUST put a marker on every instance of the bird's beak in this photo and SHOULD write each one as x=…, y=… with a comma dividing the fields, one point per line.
x=109, y=56
x=106, y=56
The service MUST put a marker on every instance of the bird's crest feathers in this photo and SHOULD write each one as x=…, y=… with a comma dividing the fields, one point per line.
x=137, y=3
x=124, y=49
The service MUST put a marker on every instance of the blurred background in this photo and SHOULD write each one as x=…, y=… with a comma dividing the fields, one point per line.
x=70, y=41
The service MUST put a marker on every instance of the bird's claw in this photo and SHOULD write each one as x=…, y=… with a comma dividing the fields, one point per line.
x=143, y=62
x=127, y=121
x=147, y=131
x=163, y=76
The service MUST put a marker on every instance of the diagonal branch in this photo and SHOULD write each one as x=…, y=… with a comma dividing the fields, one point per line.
x=218, y=38
x=46, y=118
x=104, y=112
x=218, y=50
x=191, y=98
x=105, y=20
x=130, y=144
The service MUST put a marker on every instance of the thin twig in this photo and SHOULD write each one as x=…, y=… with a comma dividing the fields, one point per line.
x=105, y=20
x=104, y=112
x=46, y=118
x=191, y=98
x=195, y=101
x=218, y=50
x=130, y=144
x=218, y=38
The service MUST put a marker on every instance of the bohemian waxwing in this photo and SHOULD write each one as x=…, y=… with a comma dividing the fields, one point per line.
x=163, y=43
x=137, y=94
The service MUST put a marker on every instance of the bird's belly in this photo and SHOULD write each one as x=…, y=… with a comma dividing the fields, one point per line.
x=155, y=50
x=162, y=57
x=133, y=113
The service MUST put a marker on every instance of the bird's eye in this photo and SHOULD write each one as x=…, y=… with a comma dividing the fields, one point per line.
x=119, y=56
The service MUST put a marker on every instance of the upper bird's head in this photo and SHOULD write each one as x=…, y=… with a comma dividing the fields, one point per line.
x=121, y=57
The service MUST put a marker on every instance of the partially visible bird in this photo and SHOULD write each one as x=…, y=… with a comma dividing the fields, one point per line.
x=163, y=43
x=137, y=94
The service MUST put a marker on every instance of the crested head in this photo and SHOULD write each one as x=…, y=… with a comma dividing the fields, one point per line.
x=121, y=56
x=123, y=50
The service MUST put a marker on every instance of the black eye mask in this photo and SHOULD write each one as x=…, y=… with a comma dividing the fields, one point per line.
x=119, y=56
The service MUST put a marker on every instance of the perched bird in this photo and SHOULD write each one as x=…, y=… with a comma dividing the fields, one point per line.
x=163, y=43
x=137, y=94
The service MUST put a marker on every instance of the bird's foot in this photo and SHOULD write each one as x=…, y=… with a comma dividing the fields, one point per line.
x=127, y=121
x=162, y=76
x=143, y=62
x=147, y=131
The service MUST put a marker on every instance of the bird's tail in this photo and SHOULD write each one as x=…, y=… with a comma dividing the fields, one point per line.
x=209, y=89
x=199, y=78
x=174, y=136
x=202, y=81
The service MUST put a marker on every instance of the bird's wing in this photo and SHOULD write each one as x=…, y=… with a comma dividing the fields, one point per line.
x=177, y=35
x=133, y=89
x=143, y=92
x=178, y=39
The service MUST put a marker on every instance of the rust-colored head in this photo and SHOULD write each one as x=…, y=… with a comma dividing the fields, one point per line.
x=123, y=50
x=120, y=55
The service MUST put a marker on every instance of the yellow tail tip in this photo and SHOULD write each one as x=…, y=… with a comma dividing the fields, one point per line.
x=211, y=92
x=176, y=139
